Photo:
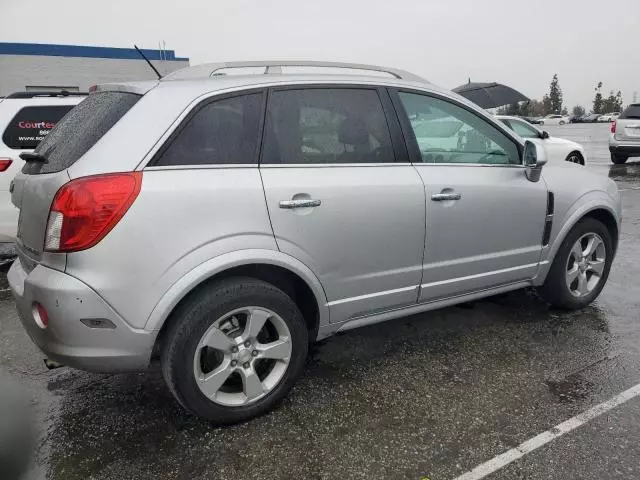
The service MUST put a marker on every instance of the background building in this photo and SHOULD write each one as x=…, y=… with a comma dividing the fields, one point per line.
x=32, y=66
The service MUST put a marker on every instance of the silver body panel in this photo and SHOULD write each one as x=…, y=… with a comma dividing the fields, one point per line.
x=374, y=247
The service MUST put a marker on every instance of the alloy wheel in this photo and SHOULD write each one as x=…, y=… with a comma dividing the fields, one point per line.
x=586, y=264
x=574, y=158
x=242, y=356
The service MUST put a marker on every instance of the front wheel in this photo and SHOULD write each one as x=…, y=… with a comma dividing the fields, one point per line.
x=575, y=157
x=581, y=266
x=618, y=159
x=541, y=123
x=234, y=349
x=561, y=122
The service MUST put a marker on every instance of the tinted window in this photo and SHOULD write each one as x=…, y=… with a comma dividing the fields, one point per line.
x=221, y=132
x=447, y=133
x=632, y=111
x=80, y=130
x=326, y=125
x=32, y=124
x=522, y=128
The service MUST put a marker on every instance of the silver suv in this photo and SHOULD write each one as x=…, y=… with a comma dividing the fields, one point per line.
x=223, y=222
x=624, y=141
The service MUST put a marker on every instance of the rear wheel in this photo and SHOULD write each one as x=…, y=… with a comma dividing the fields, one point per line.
x=234, y=350
x=618, y=159
x=581, y=266
x=561, y=122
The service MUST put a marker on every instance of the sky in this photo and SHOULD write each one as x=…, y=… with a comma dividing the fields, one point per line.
x=516, y=42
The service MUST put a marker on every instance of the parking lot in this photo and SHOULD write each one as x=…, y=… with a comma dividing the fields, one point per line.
x=429, y=396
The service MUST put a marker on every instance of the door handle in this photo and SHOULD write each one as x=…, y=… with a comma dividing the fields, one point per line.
x=302, y=203
x=441, y=197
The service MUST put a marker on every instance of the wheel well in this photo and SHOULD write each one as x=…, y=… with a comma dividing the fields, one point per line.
x=576, y=152
x=609, y=221
x=280, y=277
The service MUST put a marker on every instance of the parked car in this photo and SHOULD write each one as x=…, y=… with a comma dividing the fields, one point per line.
x=25, y=119
x=590, y=118
x=250, y=215
x=608, y=117
x=624, y=141
x=554, y=120
x=557, y=149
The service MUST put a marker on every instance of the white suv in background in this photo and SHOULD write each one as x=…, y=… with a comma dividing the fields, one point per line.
x=25, y=119
x=624, y=141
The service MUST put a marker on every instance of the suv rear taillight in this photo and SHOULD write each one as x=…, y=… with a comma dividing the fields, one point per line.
x=5, y=163
x=613, y=126
x=85, y=210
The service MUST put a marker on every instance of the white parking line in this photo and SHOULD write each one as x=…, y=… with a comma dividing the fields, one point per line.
x=504, y=459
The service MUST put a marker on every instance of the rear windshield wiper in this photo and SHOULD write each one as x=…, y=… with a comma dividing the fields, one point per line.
x=33, y=157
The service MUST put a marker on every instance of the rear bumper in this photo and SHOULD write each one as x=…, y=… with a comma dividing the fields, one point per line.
x=67, y=340
x=621, y=148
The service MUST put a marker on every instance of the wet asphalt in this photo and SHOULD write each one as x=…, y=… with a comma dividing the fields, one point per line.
x=428, y=396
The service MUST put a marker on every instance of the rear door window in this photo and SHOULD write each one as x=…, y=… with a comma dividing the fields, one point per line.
x=80, y=130
x=326, y=126
x=31, y=124
x=221, y=132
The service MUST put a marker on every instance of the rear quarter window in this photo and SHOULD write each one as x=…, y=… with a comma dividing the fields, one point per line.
x=31, y=124
x=80, y=130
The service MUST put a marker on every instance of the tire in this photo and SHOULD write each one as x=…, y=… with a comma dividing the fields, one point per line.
x=561, y=122
x=541, y=123
x=556, y=288
x=575, y=157
x=215, y=306
x=618, y=159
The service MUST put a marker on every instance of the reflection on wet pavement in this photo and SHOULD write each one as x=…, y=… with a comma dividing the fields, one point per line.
x=625, y=171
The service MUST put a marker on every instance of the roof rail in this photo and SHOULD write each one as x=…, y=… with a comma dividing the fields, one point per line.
x=44, y=93
x=275, y=66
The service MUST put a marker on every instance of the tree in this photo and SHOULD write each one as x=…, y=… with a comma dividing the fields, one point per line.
x=597, y=101
x=555, y=95
x=525, y=109
x=578, y=111
x=536, y=108
x=610, y=104
x=547, y=105
x=618, y=104
x=564, y=111
x=513, y=109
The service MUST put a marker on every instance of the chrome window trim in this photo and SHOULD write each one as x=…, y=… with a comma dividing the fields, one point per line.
x=202, y=167
x=492, y=165
x=331, y=165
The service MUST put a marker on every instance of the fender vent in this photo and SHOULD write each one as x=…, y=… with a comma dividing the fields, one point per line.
x=550, y=203
x=548, y=223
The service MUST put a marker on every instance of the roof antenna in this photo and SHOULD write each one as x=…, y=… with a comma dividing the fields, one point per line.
x=147, y=60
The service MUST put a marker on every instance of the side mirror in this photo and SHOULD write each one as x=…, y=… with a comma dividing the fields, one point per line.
x=534, y=157
x=544, y=134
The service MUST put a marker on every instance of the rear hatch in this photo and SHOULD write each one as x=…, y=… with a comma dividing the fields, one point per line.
x=46, y=171
x=628, y=124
